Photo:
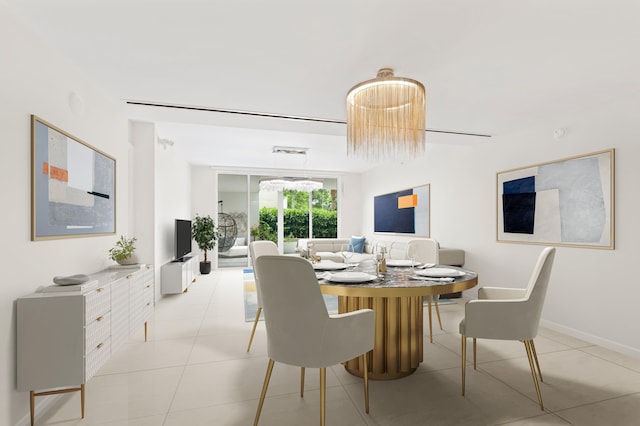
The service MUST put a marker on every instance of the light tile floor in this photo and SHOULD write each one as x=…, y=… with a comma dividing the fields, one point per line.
x=195, y=370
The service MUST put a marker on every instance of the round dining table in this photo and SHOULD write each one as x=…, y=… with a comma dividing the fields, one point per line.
x=396, y=296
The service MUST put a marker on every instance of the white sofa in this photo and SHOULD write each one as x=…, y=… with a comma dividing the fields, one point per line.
x=239, y=249
x=329, y=248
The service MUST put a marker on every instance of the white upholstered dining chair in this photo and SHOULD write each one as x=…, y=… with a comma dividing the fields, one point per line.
x=426, y=251
x=300, y=331
x=257, y=249
x=509, y=314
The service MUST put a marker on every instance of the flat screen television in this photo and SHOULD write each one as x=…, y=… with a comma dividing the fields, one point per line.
x=182, y=238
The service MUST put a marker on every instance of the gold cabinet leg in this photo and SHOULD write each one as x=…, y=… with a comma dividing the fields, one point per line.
x=323, y=394
x=145, y=331
x=33, y=394
x=301, y=382
x=366, y=382
x=435, y=302
x=464, y=360
x=255, y=324
x=82, y=393
x=32, y=403
x=527, y=346
x=267, y=377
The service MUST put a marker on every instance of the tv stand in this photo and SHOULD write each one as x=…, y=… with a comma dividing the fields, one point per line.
x=177, y=275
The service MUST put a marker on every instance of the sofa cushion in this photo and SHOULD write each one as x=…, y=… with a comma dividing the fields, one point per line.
x=323, y=244
x=451, y=256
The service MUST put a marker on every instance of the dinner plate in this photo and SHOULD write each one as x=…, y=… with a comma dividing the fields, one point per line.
x=402, y=262
x=439, y=272
x=351, y=277
x=328, y=265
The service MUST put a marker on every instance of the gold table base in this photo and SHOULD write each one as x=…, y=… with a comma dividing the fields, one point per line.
x=397, y=350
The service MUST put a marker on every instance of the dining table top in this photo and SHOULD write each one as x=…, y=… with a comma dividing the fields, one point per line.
x=397, y=281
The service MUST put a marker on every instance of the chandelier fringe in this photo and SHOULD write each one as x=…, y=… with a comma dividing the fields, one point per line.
x=386, y=118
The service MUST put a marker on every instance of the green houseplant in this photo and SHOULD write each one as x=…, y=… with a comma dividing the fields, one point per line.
x=122, y=252
x=205, y=235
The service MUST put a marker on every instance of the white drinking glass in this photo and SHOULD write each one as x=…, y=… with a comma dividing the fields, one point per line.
x=346, y=251
x=411, y=255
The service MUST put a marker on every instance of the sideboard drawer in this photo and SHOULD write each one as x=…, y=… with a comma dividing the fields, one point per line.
x=97, y=303
x=97, y=332
x=97, y=357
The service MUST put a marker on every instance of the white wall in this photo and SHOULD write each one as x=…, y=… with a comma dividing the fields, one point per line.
x=173, y=200
x=33, y=80
x=350, y=203
x=205, y=202
x=593, y=293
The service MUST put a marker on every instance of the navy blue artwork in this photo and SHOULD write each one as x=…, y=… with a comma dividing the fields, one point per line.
x=520, y=186
x=389, y=218
x=519, y=205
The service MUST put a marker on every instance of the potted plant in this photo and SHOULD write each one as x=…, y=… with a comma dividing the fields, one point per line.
x=122, y=252
x=205, y=235
x=290, y=244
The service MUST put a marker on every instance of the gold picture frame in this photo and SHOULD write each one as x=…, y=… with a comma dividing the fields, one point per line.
x=73, y=186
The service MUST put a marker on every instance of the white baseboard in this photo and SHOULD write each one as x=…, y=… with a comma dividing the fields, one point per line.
x=596, y=340
x=590, y=338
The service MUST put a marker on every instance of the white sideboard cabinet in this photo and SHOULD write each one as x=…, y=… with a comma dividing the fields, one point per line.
x=66, y=333
x=178, y=275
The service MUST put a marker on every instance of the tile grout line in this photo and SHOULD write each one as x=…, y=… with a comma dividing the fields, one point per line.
x=186, y=364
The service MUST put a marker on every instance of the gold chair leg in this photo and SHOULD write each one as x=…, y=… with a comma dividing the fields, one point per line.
x=366, y=382
x=474, y=353
x=323, y=394
x=464, y=360
x=301, y=382
x=253, y=331
x=430, y=327
x=435, y=302
x=267, y=377
x=535, y=357
x=527, y=346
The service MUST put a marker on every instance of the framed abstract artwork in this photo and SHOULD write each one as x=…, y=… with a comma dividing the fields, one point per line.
x=72, y=186
x=568, y=202
x=403, y=212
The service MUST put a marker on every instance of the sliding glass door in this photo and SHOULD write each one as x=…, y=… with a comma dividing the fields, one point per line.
x=233, y=220
x=282, y=216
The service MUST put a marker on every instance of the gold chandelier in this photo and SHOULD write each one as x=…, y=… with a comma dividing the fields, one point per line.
x=386, y=117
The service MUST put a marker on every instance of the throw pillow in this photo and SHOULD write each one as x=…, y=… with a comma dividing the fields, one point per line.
x=357, y=243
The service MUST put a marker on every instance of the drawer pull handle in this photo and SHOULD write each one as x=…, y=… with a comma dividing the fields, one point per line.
x=99, y=345
x=100, y=289
x=148, y=285
x=149, y=304
x=129, y=276
x=100, y=318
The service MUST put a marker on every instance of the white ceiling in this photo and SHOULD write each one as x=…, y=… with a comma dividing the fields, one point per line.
x=490, y=67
